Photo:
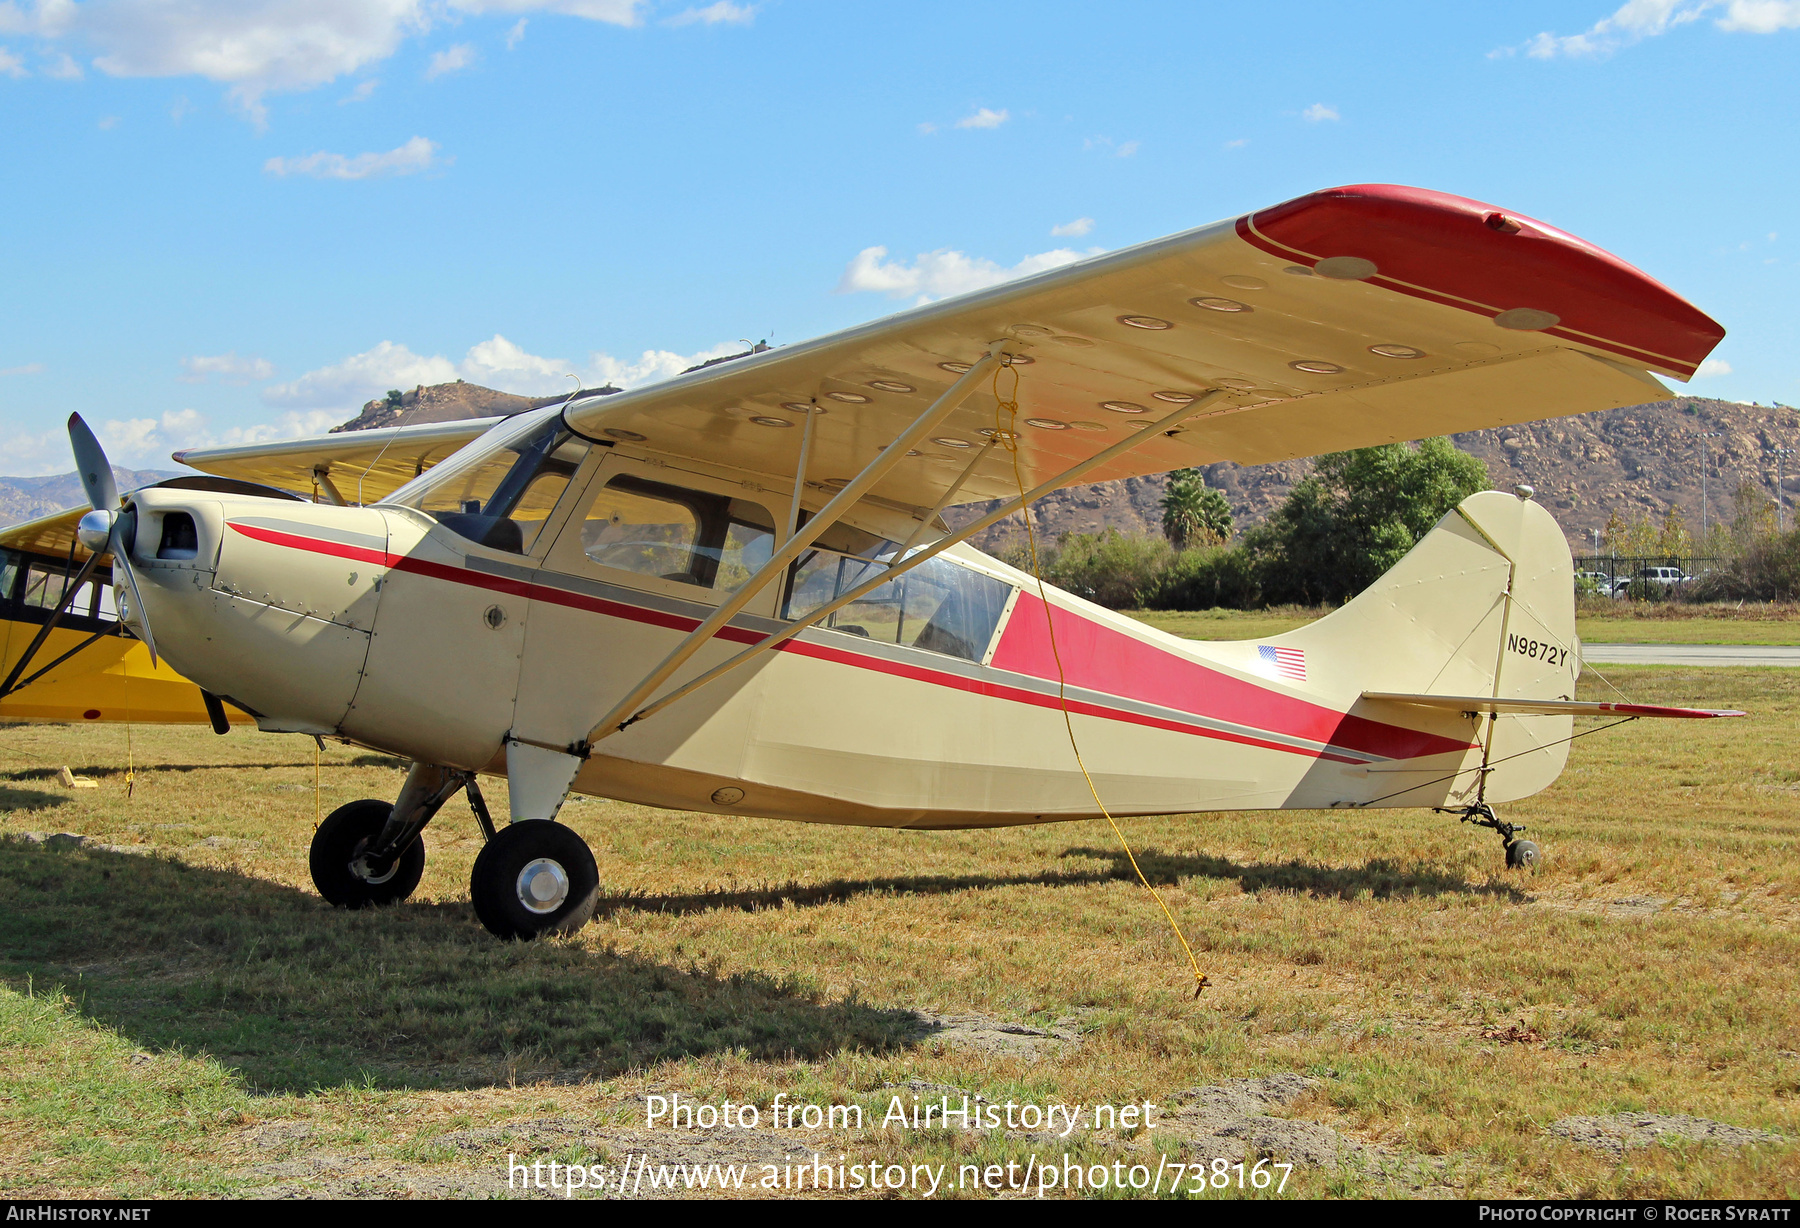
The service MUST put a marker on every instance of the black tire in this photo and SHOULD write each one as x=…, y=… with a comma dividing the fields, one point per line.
x=557, y=897
x=1522, y=855
x=341, y=839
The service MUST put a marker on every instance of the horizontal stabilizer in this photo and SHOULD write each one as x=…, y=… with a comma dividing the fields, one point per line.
x=1545, y=707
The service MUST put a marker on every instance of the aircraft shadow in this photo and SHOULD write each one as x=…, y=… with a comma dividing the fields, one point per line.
x=30, y=799
x=1381, y=879
x=119, y=769
x=295, y=995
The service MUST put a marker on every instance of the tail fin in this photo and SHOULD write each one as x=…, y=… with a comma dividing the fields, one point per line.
x=1484, y=605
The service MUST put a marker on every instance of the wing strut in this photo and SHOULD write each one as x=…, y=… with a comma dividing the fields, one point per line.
x=930, y=552
x=797, y=543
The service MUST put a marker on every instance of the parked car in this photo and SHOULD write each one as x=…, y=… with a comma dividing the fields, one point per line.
x=1652, y=582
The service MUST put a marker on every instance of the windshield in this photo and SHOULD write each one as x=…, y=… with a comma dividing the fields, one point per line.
x=501, y=494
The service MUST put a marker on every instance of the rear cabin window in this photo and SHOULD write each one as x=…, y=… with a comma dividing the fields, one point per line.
x=675, y=533
x=939, y=605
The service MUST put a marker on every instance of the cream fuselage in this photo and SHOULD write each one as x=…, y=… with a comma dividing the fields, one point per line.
x=384, y=627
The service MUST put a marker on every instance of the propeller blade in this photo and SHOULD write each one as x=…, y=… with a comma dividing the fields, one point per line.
x=92, y=467
x=121, y=554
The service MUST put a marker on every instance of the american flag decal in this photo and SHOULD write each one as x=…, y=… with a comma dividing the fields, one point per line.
x=1286, y=662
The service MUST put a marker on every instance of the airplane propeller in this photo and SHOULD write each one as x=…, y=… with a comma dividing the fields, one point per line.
x=108, y=528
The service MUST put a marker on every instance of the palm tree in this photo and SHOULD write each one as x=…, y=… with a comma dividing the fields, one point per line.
x=1194, y=514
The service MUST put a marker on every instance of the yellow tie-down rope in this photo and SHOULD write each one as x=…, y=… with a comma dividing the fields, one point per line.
x=1007, y=434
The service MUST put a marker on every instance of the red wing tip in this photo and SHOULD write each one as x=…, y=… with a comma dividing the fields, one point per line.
x=1691, y=714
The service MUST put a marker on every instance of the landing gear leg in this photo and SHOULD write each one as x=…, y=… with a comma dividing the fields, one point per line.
x=369, y=852
x=1520, y=854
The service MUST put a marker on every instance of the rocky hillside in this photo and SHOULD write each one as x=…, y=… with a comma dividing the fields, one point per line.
x=448, y=403
x=1638, y=460
x=24, y=499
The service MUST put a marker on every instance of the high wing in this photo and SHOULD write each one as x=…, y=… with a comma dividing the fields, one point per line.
x=1545, y=707
x=364, y=466
x=1350, y=317
x=52, y=535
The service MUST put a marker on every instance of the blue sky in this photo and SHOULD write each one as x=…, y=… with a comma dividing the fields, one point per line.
x=239, y=219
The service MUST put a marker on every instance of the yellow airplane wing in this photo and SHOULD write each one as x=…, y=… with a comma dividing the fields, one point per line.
x=1347, y=318
x=348, y=467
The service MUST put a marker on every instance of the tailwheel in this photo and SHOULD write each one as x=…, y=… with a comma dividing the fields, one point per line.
x=534, y=877
x=342, y=869
x=1520, y=854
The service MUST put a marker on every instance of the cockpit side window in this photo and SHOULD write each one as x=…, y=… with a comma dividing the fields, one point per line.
x=676, y=533
x=504, y=501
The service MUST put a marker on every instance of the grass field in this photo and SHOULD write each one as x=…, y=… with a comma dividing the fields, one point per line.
x=182, y=1015
x=1597, y=622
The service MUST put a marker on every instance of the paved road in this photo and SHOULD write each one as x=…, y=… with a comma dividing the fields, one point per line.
x=1690, y=654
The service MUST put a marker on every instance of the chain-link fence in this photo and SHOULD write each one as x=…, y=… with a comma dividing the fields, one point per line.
x=1655, y=577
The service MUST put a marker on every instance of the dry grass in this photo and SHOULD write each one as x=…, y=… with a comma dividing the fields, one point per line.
x=198, y=1021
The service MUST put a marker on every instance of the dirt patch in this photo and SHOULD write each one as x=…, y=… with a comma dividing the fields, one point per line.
x=985, y=1034
x=1621, y=1131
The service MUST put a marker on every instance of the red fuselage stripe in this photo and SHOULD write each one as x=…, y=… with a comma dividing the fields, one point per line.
x=1402, y=739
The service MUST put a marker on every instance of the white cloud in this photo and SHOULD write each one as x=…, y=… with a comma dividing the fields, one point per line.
x=984, y=118
x=348, y=384
x=1319, y=111
x=1074, y=229
x=260, y=47
x=516, y=35
x=416, y=155
x=938, y=274
x=722, y=13
x=30, y=368
x=1237, y=144
x=107, y=123
x=228, y=367
x=339, y=390
x=928, y=127
x=1761, y=16
x=451, y=59
x=362, y=93
x=11, y=65
x=63, y=68
x=180, y=109
x=1640, y=19
x=1713, y=366
x=1105, y=144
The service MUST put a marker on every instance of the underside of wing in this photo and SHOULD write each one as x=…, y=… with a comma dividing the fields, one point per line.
x=1346, y=318
x=53, y=534
x=364, y=466
x=1545, y=707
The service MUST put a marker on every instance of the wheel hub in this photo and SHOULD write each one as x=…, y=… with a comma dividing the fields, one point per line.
x=543, y=885
x=359, y=866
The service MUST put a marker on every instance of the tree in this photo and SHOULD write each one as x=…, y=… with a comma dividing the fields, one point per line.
x=1674, y=540
x=394, y=397
x=1356, y=516
x=1193, y=513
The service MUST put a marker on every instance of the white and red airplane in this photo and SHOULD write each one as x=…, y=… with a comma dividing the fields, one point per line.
x=734, y=592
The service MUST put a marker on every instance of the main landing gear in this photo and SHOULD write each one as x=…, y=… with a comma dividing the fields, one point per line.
x=532, y=877
x=1520, y=854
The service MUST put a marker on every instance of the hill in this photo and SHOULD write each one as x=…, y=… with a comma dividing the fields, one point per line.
x=1642, y=459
